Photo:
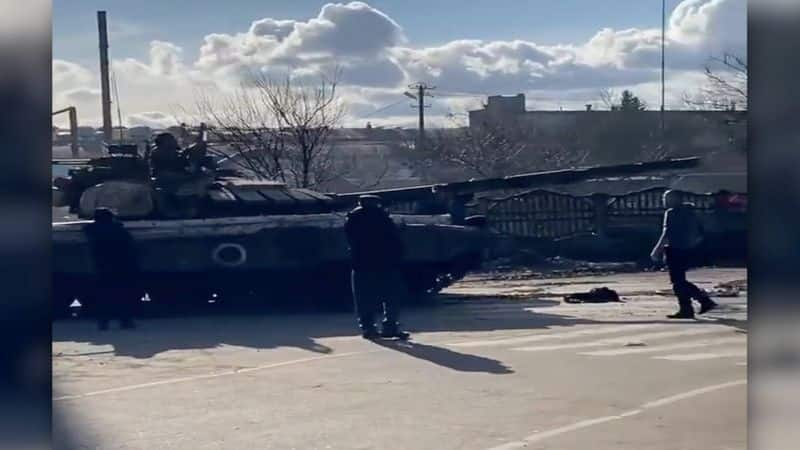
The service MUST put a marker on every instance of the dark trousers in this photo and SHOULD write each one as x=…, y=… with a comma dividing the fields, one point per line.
x=678, y=262
x=373, y=289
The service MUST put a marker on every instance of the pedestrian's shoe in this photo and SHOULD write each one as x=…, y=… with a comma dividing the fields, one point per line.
x=682, y=315
x=394, y=334
x=370, y=334
x=707, y=306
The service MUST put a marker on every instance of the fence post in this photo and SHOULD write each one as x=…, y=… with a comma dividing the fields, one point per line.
x=484, y=205
x=600, y=204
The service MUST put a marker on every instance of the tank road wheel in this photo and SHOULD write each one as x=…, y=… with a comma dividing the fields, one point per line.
x=177, y=298
x=334, y=292
x=63, y=293
x=61, y=301
x=422, y=283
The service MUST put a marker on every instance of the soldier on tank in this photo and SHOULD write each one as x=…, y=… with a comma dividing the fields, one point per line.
x=116, y=269
x=377, y=254
x=680, y=238
x=166, y=158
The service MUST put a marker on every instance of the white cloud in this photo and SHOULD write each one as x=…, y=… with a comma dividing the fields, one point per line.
x=81, y=95
x=152, y=119
x=353, y=29
x=68, y=75
x=377, y=63
x=166, y=60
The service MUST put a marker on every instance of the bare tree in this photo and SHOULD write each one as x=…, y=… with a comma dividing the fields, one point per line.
x=244, y=133
x=726, y=85
x=487, y=151
x=624, y=102
x=494, y=150
x=607, y=96
x=305, y=116
x=277, y=129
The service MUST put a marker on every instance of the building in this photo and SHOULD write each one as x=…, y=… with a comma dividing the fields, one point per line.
x=609, y=134
x=499, y=108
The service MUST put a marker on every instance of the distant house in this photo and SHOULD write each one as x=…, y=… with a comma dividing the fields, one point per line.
x=607, y=133
x=140, y=134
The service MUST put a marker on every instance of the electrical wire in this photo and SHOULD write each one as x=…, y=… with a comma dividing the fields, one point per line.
x=116, y=100
x=384, y=108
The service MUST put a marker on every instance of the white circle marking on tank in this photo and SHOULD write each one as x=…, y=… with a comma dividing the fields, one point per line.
x=229, y=255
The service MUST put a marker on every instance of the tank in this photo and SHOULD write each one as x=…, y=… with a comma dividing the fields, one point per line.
x=213, y=234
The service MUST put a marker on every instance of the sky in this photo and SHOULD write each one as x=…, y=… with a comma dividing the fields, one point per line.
x=561, y=54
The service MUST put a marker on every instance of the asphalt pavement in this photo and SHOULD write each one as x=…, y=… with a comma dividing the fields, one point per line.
x=500, y=363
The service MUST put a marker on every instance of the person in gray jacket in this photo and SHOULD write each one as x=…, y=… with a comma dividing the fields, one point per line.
x=680, y=238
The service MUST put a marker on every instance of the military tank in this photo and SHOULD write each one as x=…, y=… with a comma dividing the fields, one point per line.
x=209, y=233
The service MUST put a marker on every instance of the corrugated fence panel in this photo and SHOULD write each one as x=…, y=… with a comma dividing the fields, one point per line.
x=542, y=214
x=546, y=214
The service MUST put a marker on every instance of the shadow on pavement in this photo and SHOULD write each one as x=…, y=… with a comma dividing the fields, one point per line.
x=152, y=337
x=441, y=356
x=738, y=324
x=265, y=330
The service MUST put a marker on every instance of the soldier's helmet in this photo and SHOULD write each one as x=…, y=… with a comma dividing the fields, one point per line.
x=166, y=141
x=369, y=201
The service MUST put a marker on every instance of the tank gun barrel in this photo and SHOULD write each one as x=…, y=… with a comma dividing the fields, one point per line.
x=527, y=180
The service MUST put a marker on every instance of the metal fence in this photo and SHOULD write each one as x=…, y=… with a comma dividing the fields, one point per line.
x=542, y=214
x=546, y=214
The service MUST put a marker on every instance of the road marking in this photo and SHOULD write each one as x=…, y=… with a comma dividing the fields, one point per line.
x=660, y=348
x=535, y=437
x=692, y=393
x=549, y=336
x=566, y=429
x=624, y=339
x=209, y=375
x=702, y=356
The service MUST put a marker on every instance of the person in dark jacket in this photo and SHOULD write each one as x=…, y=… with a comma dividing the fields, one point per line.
x=376, y=250
x=681, y=235
x=165, y=157
x=115, y=267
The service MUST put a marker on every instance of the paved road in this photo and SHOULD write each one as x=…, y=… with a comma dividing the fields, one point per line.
x=502, y=364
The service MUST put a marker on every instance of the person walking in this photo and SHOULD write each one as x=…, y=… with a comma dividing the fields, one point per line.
x=678, y=245
x=376, y=250
x=116, y=269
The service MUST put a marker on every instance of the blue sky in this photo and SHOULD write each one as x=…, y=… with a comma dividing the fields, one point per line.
x=558, y=53
x=425, y=22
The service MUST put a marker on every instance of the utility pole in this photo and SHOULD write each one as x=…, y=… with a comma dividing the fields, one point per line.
x=663, y=32
x=104, y=84
x=421, y=89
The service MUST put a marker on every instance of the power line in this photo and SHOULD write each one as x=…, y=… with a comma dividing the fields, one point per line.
x=116, y=99
x=383, y=108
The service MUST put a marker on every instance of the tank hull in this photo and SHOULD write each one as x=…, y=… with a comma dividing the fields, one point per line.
x=266, y=259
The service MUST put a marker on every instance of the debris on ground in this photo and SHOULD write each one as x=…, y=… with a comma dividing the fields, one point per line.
x=596, y=295
x=729, y=288
x=724, y=291
x=529, y=265
x=739, y=284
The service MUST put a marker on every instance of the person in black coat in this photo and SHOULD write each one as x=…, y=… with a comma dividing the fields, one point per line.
x=116, y=269
x=678, y=245
x=376, y=250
